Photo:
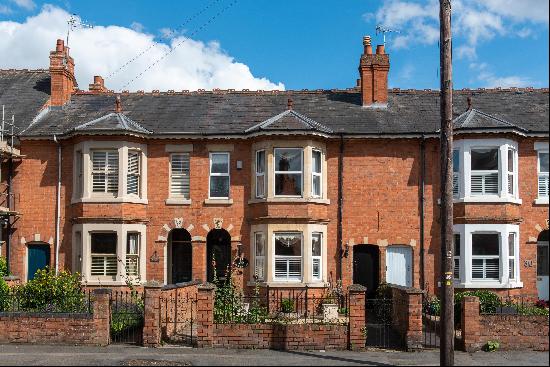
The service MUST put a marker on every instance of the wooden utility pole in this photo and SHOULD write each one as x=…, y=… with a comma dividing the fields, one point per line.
x=446, y=149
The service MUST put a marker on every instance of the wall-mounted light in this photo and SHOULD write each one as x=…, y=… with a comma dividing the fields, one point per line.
x=239, y=249
x=344, y=251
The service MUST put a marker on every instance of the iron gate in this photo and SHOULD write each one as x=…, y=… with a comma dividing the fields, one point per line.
x=431, y=324
x=379, y=324
x=127, y=315
x=178, y=313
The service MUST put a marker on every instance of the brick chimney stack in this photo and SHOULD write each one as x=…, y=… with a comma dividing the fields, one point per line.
x=63, y=81
x=373, y=71
x=98, y=86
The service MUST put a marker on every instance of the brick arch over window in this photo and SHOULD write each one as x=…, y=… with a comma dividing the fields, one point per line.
x=176, y=223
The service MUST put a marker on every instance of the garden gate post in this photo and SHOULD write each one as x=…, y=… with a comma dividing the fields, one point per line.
x=357, y=320
x=151, y=316
x=102, y=315
x=205, y=315
x=470, y=324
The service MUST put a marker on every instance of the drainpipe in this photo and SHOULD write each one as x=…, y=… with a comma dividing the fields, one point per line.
x=340, y=204
x=58, y=204
x=422, y=204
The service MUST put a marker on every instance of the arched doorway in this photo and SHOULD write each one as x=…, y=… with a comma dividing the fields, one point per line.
x=542, y=265
x=218, y=248
x=180, y=256
x=366, y=267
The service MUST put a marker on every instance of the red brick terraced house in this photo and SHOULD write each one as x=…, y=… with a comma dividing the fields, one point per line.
x=308, y=186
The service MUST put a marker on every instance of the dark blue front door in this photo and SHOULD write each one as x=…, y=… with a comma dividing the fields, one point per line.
x=39, y=258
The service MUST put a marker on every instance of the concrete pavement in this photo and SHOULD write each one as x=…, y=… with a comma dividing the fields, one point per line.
x=174, y=355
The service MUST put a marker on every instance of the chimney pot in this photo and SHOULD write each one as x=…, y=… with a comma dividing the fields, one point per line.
x=367, y=45
x=118, y=104
x=380, y=50
x=290, y=103
x=373, y=70
x=469, y=99
x=60, y=46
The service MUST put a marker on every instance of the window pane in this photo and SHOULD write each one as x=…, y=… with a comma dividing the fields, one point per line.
x=132, y=247
x=511, y=244
x=317, y=185
x=316, y=161
x=288, y=184
x=485, y=244
x=457, y=244
x=543, y=158
x=260, y=186
x=456, y=272
x=219, y=186
x=316, y=244
x=542, y=260
x=456, y=160
x=511, y=269
x=288, y=244
x=288, y=160
x=260, y=161
x=484, y=159
x=511, y=160
x=179, y=185
x=103, y=243
x=220, y=163
x=260, y=244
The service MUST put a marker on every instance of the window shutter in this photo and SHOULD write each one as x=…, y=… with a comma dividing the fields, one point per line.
x=179, y=182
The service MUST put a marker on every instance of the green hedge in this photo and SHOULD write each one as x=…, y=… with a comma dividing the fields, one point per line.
x=3, y=267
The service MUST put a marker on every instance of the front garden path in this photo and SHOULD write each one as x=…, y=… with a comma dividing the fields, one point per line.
x=130, y=355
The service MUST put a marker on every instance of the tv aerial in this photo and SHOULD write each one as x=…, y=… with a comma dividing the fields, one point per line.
x=75, y=22
x=381, y=29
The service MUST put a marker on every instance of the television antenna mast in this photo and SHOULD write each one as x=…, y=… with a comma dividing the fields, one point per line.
x=381, y=29
x=75, y=22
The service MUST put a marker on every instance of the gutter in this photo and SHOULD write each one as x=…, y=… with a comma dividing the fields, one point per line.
x=58, y=205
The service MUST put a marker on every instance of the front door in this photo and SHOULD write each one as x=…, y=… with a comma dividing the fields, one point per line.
x=542, y=269
x=366, y=267
x=38, y=258
x=399, y=265
x=218, y=251
x=181, y=256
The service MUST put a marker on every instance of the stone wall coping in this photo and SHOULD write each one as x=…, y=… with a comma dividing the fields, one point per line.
x=408, y=290
x=181, y=285
x=48, y=315
x=102, y=291
x=153, y=284
x=357, y=288
x=206, y=286
x=11, y=278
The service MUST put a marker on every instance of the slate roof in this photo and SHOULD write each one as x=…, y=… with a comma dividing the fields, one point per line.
x=474, y=119
x=23, y=93
x=289, y=120
x=112, y=123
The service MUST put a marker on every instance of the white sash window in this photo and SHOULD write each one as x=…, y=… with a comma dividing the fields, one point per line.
x=132, y=254
x=105, y=171
x=543, y=174
x=219, y=176
x=179, y=175
x=259, y=256
x=288, y=171
x=316, y=256
x=260, y=174
x=288, y=256
x=133, y=174
x=103, y=254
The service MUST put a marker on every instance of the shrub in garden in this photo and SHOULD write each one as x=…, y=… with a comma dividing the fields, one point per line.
x=489, y=302
x=48, y=292
x=4, y=292
x=3, y=267
x=384, y=291
x=287, y=305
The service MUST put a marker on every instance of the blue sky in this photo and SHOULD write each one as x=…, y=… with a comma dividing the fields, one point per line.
x=261, y=44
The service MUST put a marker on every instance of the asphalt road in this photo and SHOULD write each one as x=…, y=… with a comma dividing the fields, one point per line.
x=135, y=356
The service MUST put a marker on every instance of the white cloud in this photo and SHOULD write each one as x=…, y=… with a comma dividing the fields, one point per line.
x=25, y=4
x=474, y=21
x=485, y=75
x=103, y=49
x=137, y=26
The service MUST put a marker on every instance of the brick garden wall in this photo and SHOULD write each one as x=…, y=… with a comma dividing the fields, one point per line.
x=407, y=315
x=511, y=331
x=51, y=328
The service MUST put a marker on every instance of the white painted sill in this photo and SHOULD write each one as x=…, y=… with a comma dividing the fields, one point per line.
x=218, y=201
x=288, y=284
x=110, y=199
x=488, y=200
x=486, y=284
x=178, y=201
x=290, y=200
x=541, y=201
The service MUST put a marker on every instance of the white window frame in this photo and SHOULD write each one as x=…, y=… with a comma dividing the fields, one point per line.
x=486, y=258
x=504, y=282
x=227, y=174
x=275, y=172
x=317, y=174
x=181, y=175
x=107, y=257
x=259, y=195
x=465, y=147
x=512, y=258
x=541, y=147
x=457, y=259
x=135, y=174
x=79, y=171
x=512, y=173
x=132, y=259
x=108, y=171
x=456, y=174
x=259, y=261
x=318, y=259
x=276, y=257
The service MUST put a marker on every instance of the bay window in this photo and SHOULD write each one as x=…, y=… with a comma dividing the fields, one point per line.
x=288, y=171
x=219, y=176
x=316, y=173
x=260, y=174
x=288, y=256
x=485, y=170
x=486, y=256
x=132, y=254
x=105, y=171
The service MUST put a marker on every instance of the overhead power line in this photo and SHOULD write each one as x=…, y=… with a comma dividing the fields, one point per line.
x=181, y=27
